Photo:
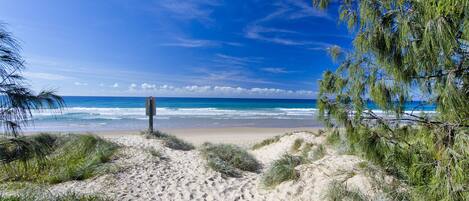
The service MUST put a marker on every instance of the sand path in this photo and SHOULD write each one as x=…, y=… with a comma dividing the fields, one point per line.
x=180, y=175
x=183, y=175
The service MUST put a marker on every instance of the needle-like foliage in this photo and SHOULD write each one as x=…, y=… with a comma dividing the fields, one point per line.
x=405, y=50
x=17, y=100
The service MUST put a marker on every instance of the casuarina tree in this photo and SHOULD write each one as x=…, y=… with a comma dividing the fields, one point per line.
x=407, y=55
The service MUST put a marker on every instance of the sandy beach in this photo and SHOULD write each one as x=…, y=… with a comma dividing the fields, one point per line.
x=242, y=136
x=184, y=175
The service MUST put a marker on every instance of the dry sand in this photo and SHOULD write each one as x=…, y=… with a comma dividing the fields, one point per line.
x=242, y=136
x=183, y=175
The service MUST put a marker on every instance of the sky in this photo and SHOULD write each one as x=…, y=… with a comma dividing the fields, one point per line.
x=190, y=48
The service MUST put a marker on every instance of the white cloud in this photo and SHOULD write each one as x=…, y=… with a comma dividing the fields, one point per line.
x=219, y=91
x=132, y=86
x=146, y=86
x=237, y=61
x=115, y=85
x=199, y=10
x=286, y=10
x=190, y=43
x=196, y=43
x=45, y=76
x=272, y=35
x=80, y=83
x=275, y=70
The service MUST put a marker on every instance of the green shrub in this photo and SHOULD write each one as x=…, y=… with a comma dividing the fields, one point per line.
x=229, y=159
x=24, y=148
x=67, y=157
x=296, y=145
x=338, y=192
x=333, y=137
x=170, y=141
x=36, y=195
x=282, y=170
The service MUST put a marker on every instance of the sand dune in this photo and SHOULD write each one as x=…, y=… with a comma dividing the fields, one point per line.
x=183, y=175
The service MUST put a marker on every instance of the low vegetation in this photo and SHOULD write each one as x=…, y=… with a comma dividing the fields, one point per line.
x=296, y=145
x=282, y=170
x=170, y=141
x=155, y=153
x=338, y=191
x=305, y=152
x=333, y=137
x=319, y=152
x=52, y=159
x=229, y=159
x=269, y=141
x=35, y=195
x=266, y=142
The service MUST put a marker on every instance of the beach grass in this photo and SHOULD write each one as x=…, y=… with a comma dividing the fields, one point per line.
x=282, y=170
x=37, y=195
x=229, y=159
x=333, y=137
x=338, y=191
x=268, y=141
x=296, y=145
x=53, y=159
x=170, y=141
x=154, y=152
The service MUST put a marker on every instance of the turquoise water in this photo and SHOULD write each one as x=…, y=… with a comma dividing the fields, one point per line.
x=128, y=113
x=220, y=103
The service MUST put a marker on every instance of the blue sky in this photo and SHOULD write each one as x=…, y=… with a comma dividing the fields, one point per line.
x=198, y=48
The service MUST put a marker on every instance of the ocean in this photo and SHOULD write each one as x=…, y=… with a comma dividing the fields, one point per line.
x=128, y=113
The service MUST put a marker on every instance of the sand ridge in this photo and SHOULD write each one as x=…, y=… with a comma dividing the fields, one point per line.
x=183, y=175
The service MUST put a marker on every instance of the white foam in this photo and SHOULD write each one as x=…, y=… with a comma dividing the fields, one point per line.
x=167, y=113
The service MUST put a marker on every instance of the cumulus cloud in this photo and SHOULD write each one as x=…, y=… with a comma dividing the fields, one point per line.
x=115, y=85
x=146, y=86
x=220, y=91
x=132, y=86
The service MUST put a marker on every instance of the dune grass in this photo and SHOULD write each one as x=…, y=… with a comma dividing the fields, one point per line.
x=170, y=141
x=282, y=170
x=333, y=137
x=296, y=145
x=155, y=153
x=53, y=159
x=338, y=191
x=268, y=141
x=36, y=195
x=229, y=159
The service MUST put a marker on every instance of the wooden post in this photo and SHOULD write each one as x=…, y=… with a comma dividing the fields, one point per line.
x=150, y=111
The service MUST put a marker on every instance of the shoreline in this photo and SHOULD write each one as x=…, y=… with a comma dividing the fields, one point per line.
x=244, y=136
